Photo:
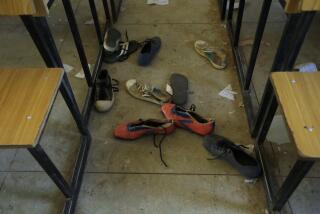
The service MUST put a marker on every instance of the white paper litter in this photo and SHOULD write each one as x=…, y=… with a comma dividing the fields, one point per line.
x=169, y=89
x=250, y=181
x=67, y=68
x=228, y=93
x=158, y=2
x=80, y=74
x=307, y=67
x=89, y=22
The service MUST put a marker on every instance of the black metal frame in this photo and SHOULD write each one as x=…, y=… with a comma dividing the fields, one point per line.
x=293, y=36
x=115, y=10
x=39, y=30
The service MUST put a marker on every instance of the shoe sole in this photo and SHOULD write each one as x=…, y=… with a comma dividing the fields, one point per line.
x=111, y=40
x=179, y=85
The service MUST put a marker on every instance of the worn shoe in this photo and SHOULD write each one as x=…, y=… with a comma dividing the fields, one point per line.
x=139, y=128
x=148, y=52
x=188, y=119
x=123, y=53
x=216, y=57
x=104, y=88
x=111, y=40
x=235, y=155
x=147, y=92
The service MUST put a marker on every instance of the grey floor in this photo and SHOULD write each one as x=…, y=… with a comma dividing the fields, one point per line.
x=128, y=177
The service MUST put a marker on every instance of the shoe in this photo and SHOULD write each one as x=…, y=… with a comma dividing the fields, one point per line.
x=188, y=119
x=235, y=155
x=139, y=128
x=147, y=92
x=216, y=57
x=148, y=52
x=123, y=53
x=111, y=40
x=104, y=88
x=179, y=84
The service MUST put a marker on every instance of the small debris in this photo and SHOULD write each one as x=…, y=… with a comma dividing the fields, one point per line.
x=310, y=129
x=266, y=211
x=61, y=40
x=293, y=81
x=232, y=112
x=60, y=20
x=158, y=2
x=279, y=149
x=309, y=67
x=89, y=22
x=29, y=117
x=80, y=74
x=250, y=181
x=228, y=93
x=67, y=68
x=241, y=105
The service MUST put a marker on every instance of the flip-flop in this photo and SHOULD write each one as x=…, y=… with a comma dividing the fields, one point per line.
x=147, y=92
x=215, y=56
x=179, y=84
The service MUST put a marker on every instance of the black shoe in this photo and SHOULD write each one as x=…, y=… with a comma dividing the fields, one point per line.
x=224, y=149
x=112, y=40
x=123, y=53
x=104, y=88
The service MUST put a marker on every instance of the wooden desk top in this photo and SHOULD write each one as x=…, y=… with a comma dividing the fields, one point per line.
x=26, y=97
x=23, y=7
x=299, y=97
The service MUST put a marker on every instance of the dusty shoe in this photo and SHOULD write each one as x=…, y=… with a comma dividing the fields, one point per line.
x=111, y=40
x=148, y=52
x=139, y=128
x=235, y=155
x=104, y=88
x=215, y=56
x=188, y=119
x=147, y=92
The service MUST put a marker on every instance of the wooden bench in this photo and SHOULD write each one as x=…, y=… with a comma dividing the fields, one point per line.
x=298, y=95
x=26, y=98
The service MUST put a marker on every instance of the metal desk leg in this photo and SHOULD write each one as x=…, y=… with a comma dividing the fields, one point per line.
x=257, y=40
x=96, y=21
x=77, y=41
x=230, y=10
x=239, y=22
x=223, y=9
x=68, y=96
x=297, y=173
x=38, y=153
x=290, y=44
x=106, y=11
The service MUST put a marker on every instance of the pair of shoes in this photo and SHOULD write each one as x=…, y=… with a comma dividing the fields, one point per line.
x=147, y=92
x=118, y=51
x=104, y=91
x=175, y=117
x=235, y=155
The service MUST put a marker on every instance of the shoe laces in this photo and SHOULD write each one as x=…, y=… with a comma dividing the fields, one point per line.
x=159, y=145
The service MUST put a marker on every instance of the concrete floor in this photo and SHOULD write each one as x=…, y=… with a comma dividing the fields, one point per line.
x=128, y=177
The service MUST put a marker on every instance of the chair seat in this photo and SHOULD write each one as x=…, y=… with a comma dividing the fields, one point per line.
x=23, y=7
x=26, y=98
x=298, y=95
